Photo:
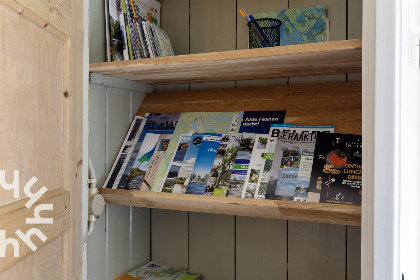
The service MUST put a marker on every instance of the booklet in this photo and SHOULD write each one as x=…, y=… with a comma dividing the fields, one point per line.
x=337, y=168
x=203, y=165
x=292, y=140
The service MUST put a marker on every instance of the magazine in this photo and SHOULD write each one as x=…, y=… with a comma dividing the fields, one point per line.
x=197, y=122
x=203, y=164
x=179, y=174
x=255, y=166
x=126, y=150
x=116, y=43
x=177, y=160
x=217, y=164
x=291, y=141
x=139, y=161
x=240, y=168
x=337, y=168
x=156, y=271
x=224, y=168
x=156, y=159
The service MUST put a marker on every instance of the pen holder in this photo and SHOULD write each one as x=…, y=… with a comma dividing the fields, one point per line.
x=264, y=32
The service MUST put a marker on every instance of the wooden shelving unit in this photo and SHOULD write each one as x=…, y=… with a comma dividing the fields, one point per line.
x=272, y=209
x=285, y=61
x=305, y=104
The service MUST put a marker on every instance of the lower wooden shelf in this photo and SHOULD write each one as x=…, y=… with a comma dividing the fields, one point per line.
x=272, y=209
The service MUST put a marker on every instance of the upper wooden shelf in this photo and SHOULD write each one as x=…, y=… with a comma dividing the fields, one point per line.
x=285, y=61
x=271, y=209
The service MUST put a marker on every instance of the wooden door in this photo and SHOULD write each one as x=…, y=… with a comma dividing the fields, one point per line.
x=41, y=120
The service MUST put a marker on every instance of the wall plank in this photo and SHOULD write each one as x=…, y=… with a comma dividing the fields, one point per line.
x=212, y=246
x=139, y=236
x=170, y=237
x=97, y=31
x=354, y=30
x=354, y=260
x=118, y=217
x=118, y=240
x=97, y=147
x=261, y=249
x=316, y=251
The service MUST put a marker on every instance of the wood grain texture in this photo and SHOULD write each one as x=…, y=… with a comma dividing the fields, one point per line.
x=14, y=217
x=45, y=263
x=53, y=16
x=170, y=237
x=272, y=209
x=339, y=104
x=316, y=251
x=261, y=249
x=77, y=139
x=32, y=132
x=285, y=61
x=212, y=246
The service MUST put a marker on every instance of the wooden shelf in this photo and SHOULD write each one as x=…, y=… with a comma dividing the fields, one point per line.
x=272, y=209
x=285, y=61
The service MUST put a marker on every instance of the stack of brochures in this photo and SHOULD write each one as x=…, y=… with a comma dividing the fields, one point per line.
x=248, y=154
x=132, y=29
x=154, y=270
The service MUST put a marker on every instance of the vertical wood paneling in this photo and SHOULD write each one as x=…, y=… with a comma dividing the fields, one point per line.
x=139, y=236
x=212, y=246
x=212, y=29
x=261, y=249
x=118, y=240
x=354, y=251
x=97, y=240
x=175, y=20
x=118, y=217
x=170, y=237
x=118, y=121
x=354, y=29
x=97, y=132
x=316, y=251
x=136, y=100
x=212, y=26
x=97, y=29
